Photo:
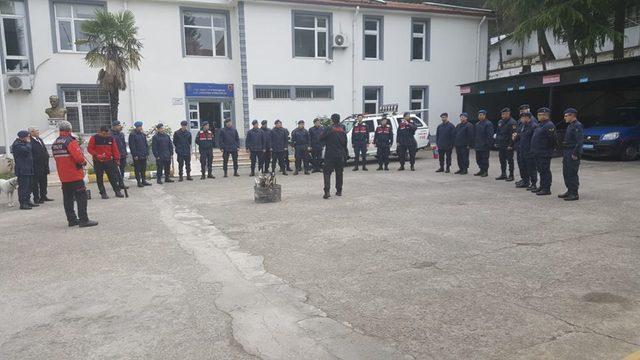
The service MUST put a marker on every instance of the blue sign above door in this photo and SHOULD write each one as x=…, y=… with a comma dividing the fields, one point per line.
x=208, y=90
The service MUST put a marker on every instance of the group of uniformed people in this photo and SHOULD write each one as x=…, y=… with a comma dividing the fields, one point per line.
x=533, y=139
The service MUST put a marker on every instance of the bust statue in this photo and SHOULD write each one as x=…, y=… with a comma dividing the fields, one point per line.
x=55, y=112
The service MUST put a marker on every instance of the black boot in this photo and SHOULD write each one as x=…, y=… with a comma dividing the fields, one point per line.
x=210, y=176
x=484, y=174
x=413, y=168
x=572, y=197
x=386, y=167
x=140, y=184
x=356, y=168
x=306, y=172
x=510, y=178
x=479, y=173
x=440, y=170
x=531, y=187
x=235, y=173
x=364, y=168
x=180, y=179
x=189, y=178
x=326, y=195
x=379, y=168
x=339, y=193
x=225, y=174
x=253, y=173
x=564, y=195
x=522, y=185
x=168, y=180
x=119, y=194
x=401, y=168
x=25, y=207
x=87, y=223
x=502, y=177
x=202, y=177
x=295, y=172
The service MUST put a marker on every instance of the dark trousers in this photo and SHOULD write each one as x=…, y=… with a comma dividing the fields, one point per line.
x=184, y=161
x=543, y=165
x=531, y=171
x=278, y=157
x=302, y=157
x=225, y=160
x=462, y=155
x=522, y=166
x=316, y=157
x=402, y=154
x=39, y=187
x=331, y=165
x=444, y=156
x=570, y=169
x=206, y=161
x=383, y=155
x=482, y=159
x=24, y=189
x=122, y=165
x=256, y=158
x=140, y=168
x=163, y=167
x=266, y=160
x=110, y=168
x=506, y=158
x=360, y=153
x=75, y=193
x=286, y=160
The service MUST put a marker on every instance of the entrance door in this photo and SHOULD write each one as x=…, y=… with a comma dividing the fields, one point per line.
x=211, y=112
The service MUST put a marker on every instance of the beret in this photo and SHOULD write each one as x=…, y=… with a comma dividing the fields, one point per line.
x=205, y=123
x=159, y=126
x=254, y=122
x=23, y=134
x=544, y=110
x=444, y=114
x=505, y=110
x=184, y=123
x=571, y=111
x=482, y=111
x=464, y=114
x=116, y=123
x=137, y=124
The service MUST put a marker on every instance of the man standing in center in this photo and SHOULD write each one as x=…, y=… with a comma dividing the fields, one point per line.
x=279, y=143
x=105, y=153
x=406, y=141
x=139, y=152
x=445, y=138
x=229, y=144
x=360, y=142
x=163, y=152
x=483, y=140
x=543, y=143
x=383, y=139
x=182, y=142
x=301, y=143
x=254, y=142
x=507, y=127
x=463, y=142
x=205, y=142
x=316, y=145
x=118, y=136
x=266, y=158
x=40, y=167
x=335, y=156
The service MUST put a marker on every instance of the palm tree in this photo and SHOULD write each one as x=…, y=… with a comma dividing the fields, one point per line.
x=115, y=49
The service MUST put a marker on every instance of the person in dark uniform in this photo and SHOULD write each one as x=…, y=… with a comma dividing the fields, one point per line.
x=445, y=138
x=118, y=136
x=463, y=143
x=279, y=144
x=139, y=148
x=23, y=161
x=301, y=143
x=182, y=141
x=360, y=142
x=162, y=148
x=483, y=140
x=254, y=143
x=205, y=141
x=287, y=162
x=336, y=155
x=507, y=127
x=528, y=167
x=316, y=145
x=543, y=143
x=266, y=158
x=520, y=159
x=40, y=167
x=229, y=144
x=572, y=152
x=383, y=139
x=105, y=153
x=407, y=142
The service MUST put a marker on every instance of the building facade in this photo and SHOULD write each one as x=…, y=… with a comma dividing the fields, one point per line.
x=208, y=60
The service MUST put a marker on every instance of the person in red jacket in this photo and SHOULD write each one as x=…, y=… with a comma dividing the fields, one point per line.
x=104, y=150
x=70, y=165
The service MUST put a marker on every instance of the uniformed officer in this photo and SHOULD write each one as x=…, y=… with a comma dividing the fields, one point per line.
x=139, y=148
x=182, y=140
x=205, y=141
x=483, y=140
x=287, y=162
x=522, y=166
x=543, y=143
x=300, y=141
x=266, y=158
x=507, y=126
x=23, y=157
x=162, y=148
x=445, y=138
x=463, y=143
x=528, y=167
x=406, y=141
x=335, y=156
x=254, y=143
x=316, y=145
x=572, y=153
x=229, y=144
x=118, y=135
x=279, y=144
x=360, y=142
x=383, y=139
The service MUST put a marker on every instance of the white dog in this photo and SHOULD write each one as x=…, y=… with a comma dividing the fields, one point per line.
x=9, y=187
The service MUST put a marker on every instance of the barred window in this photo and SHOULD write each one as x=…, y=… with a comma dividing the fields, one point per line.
x=272, y=93
x=293, y=92
x=87, y=108
x=314, y=93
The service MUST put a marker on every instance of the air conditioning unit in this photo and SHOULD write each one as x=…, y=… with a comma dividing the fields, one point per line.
x=19, y=82
x=340, y=41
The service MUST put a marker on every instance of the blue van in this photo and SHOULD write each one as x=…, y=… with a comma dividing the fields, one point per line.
x=616, y=136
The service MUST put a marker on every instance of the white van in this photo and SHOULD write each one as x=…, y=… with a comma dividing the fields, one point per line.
x=373, y=121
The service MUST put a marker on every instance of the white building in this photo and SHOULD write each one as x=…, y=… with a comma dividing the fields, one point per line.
x=244, y=60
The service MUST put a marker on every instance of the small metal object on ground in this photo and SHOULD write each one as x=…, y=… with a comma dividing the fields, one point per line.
x=266, y=190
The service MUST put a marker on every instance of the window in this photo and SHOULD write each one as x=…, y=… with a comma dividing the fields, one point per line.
x=205, y=33
x=309, y=93
x=311, y=34
x=88, y=108
x=293, y=92
x=372, y=99
x=420, y=32
x=272, y=93
x=420, y=100
x=69, y=20
x=372, y=38
x=509, y=51
x=370, y=125
x=15, y=44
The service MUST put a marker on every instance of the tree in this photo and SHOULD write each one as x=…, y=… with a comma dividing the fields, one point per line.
x=115, y=49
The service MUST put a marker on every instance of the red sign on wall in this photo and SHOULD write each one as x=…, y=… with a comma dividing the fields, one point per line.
x=465, y=89
x=551, y=79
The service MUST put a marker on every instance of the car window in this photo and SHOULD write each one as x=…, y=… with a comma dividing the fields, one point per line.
x=348, y=125
x=417, y=121
x=370, y=125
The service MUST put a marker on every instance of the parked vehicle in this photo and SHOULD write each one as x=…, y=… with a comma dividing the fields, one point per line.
x=615, y=136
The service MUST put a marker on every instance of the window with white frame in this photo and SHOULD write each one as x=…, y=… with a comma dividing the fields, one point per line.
x=205, y=33
x=311, y=35
x=420, y=100
x=420, y=32
x=88, y=108
x=292, y=92
x=276, y=92
x=372, y=100
x=15, y=42
x=69, y=19
x=372, y=38
x=313, y=93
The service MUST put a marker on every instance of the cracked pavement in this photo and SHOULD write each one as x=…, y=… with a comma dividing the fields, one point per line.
x=412, y=265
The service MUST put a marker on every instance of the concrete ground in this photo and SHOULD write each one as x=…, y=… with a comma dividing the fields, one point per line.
x=411, y=265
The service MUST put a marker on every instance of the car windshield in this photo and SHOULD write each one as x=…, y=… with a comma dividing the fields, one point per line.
x=348, y=125
x=624, y=117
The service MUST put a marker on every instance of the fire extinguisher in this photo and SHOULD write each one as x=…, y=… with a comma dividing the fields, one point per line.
x=435, y=152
